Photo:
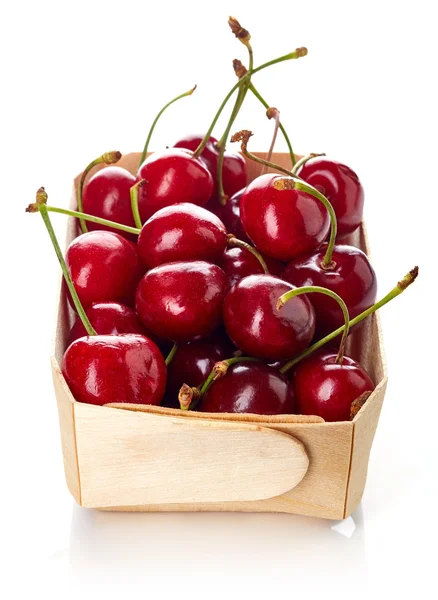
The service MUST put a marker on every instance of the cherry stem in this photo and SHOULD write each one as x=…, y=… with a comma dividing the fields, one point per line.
x=151, y=130
x=272, y=113
x=298, y=53
x=93, y=219
x=291, y=183
x=171, y=354
x=109, y=158
x=190, y=397
x=303, y=161
x=321, y=290
x=134, y=202
x=396, y=291
x=282, y=129
x=233, y=242
x=41, y=207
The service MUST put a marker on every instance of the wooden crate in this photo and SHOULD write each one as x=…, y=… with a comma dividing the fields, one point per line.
x=148, y=458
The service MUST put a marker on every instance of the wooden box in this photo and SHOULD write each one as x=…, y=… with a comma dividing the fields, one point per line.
x=147, y=458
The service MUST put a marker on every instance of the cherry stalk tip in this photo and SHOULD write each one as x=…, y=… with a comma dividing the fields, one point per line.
x=239, y=69
x=220, y=369
x=187, y=395
x=408, y=278
x=272, y=112
x=109, y=158
x=241, y=34
x=284, y=183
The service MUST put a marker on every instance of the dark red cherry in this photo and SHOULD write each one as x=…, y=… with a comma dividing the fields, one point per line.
x=115, y=368
x=326, y=388
x=238, y=263
x=352, y=277
x=172, y=176
x=107, y=318
x=250, y=387
x=341, y=186
x=182, y=301
x=106, y=195
x=255, y=325
x=234, y=171
x=104, y=267
x=231, y=217
x=182, y=232
x=282, y=223
x=193, y=363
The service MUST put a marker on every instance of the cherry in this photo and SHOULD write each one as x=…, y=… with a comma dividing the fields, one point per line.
x=107, y=195
x=351, y=276
x=104, y=267
x=107, y=318
x=238, y=263
x=250, y=388
x=234, y=171
x=327, y=388
x=182, y=300
x=282, y=223
x=255, y=325
x=231, y=217
x=115, y=368
x=172, y=176
x=182, y=232
x=341, y=186
x=192, y=363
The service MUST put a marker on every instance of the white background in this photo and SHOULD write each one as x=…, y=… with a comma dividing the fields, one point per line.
x=81, y=78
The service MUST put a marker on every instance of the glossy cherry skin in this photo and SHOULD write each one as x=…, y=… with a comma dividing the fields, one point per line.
x=107, y=195
x=250, y=387
x=353, y=279
x=283, y=223
x=182, y=301
x=115, y=368
x=172, y=176
x=193, y=363
x=104, y=267
x=234, y=170
x=327, y=389
x=231, y=217
x=238, y=263
x=107, y=318
x=182, y=232
x=256, y=327
x=341, y=186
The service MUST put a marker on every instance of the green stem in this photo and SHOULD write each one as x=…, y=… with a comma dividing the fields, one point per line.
x=171, y=355
x=134, y=202
x=233, y=242
x=303, y=161
x=294, y=183
x=109, y=158
x=42, y=209
x=298, y=53
x=321, y=290
x=151, y=130
x=396, y=291
x=93, y=219
x=282, y=129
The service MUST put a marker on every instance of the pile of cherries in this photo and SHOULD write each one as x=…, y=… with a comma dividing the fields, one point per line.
x=198, y=289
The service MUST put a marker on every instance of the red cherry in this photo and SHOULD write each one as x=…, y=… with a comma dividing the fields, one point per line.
x=107, y=196
x=282, y=223
x=193, y=363
x=255, y=325
x=250, y=388
x=341, y=186
x=115, y=368
x=182, y=232
x=326, y=388
x=234, y=171
x=352, y=277
x=231, y=217
x=172, y=176
x=104, y=267
x=107, y=318
x=238, y=263
x=182, y=300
